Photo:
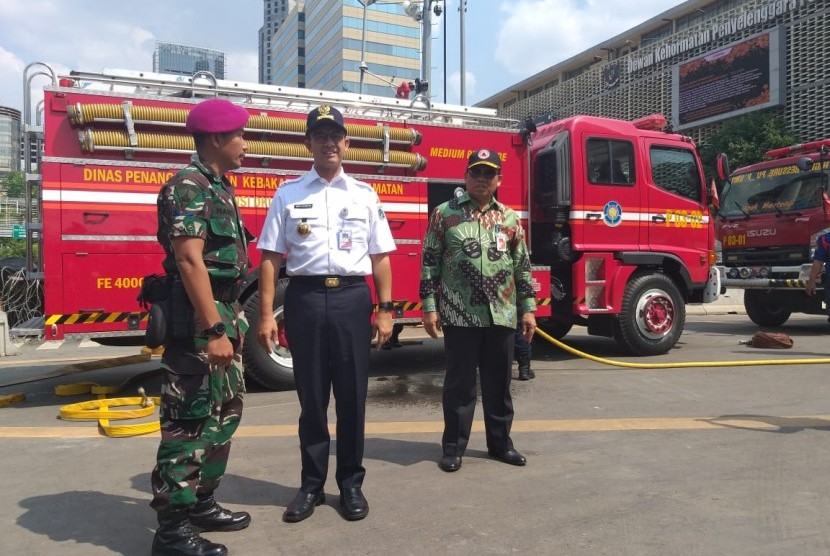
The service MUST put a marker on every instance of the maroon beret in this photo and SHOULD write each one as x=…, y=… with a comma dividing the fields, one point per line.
x=216, y=115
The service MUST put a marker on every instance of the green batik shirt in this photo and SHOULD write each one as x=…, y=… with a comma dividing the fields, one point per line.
x=476, y=268
x=198, y=203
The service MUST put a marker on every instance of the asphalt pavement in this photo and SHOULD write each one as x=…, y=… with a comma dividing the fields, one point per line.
x=724, y=456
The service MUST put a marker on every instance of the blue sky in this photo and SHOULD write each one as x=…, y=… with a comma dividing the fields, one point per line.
x=506, y=40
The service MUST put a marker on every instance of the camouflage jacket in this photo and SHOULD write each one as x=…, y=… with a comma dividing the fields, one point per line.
x=198, y=203
x=476, y=268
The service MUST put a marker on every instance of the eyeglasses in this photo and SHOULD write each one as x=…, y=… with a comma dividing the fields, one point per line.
x=487, y=173
x=335, y=136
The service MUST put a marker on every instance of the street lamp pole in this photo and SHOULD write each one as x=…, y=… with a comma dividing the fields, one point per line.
x=462, y=9
x=363, y=67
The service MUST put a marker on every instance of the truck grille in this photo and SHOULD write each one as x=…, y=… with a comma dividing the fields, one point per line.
x=767, y=256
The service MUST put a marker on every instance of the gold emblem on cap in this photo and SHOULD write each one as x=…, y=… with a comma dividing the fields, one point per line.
x=303, y=229
x=323, y=113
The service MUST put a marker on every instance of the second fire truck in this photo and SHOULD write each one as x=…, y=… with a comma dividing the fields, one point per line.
x=770, y=217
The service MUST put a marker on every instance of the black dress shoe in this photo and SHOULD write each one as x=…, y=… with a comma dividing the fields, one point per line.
x=353, y=504
x=449, y=463
x=510, y=456
x=303, y=506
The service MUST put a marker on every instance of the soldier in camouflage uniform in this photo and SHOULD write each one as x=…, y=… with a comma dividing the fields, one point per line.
x=476, y=285
x=205, y=244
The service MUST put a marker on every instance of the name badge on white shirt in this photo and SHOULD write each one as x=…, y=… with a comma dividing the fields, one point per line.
x=344, y=240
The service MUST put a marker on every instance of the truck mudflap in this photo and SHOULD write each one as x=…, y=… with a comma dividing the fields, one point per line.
x=713, y=286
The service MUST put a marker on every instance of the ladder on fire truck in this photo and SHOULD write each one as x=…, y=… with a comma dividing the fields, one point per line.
x=203, y=84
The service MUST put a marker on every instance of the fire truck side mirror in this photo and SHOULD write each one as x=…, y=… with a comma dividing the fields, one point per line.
x=805, y=164
x=722, y=166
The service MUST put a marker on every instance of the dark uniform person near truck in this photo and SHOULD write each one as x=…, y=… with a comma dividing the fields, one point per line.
x=821, y=257
x=475, y=285
x=332, y=232
x=206, y=256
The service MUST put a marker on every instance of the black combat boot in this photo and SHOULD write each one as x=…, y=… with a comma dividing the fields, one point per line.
x=525, y=372
x=176, y=537
x=207, y=515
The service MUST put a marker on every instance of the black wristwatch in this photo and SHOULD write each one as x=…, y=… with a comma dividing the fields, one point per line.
x=387, y=306
x=216, y=330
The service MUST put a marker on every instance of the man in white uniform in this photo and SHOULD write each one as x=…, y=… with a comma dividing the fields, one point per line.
x=332, y=233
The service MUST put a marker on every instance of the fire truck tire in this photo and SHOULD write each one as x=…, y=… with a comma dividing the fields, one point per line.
x=653, y=315
x=274, y=370
x=767, y=308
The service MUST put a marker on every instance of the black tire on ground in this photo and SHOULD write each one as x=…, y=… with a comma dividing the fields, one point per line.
x=653, y=315
x=274, y=371
x=556, y=329
x=767, y=308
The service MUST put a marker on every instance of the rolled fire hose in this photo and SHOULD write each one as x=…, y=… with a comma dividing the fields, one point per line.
x=96, y=140
x=100, y=409
x=86, y=114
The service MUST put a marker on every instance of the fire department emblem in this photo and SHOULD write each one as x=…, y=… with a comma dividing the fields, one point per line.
x=612, y=214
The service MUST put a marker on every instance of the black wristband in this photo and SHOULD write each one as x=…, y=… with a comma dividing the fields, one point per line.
x=386, y=306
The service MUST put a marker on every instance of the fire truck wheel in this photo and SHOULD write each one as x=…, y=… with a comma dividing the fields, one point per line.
x=274, y=370
x=653, y=315
x=767, y=308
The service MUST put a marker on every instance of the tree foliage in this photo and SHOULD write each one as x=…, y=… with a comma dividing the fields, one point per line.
x=14, y=184
x=745, y=139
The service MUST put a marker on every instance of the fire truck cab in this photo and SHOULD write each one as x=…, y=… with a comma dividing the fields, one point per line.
x=620, y=214
x=771, y=215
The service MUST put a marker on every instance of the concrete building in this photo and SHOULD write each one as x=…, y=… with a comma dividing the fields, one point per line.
x=274, y=13
x=179, y=59
x=10, y=140
x=697, y=63
x=319, y=45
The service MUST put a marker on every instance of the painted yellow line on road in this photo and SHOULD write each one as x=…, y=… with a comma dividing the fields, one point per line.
x=746, y=422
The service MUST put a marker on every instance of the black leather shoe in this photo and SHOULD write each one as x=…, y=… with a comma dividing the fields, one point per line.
x=353, y=504
x=449, y=463
x=303, y=506
x=207, y=515
x=510, y=456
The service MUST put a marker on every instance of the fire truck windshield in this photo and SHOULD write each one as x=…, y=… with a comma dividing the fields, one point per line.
x=774, y=190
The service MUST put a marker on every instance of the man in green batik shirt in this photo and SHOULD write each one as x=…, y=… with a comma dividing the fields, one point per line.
x=476, y=286
x=206, y=257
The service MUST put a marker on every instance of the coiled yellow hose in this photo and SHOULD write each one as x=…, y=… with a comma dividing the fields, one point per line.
x=86, y=114
x=92, y=139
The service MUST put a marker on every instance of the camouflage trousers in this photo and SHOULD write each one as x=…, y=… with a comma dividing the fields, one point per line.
x=200, y=411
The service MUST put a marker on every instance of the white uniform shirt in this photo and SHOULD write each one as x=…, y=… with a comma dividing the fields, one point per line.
x=346, y=222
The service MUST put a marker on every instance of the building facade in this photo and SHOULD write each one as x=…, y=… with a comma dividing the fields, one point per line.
x=697, y=64
x=179, y=59
x=10, y=140
x=320, y=45
x=274, y=13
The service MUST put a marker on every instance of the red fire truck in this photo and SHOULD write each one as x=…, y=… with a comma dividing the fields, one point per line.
x=770, y=217
x=619, y=227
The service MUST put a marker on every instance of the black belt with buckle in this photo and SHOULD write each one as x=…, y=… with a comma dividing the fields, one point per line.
x=328, y=281
x=225, y=291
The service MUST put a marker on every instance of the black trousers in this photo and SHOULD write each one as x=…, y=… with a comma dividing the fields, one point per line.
x=490, y=351
x=329, y=333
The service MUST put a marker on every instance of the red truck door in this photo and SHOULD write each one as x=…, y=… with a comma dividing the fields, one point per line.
x=607, y=217
x=678, y=219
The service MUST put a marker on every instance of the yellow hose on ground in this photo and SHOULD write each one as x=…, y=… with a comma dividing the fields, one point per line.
x=679, y=365
x=99, y=410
